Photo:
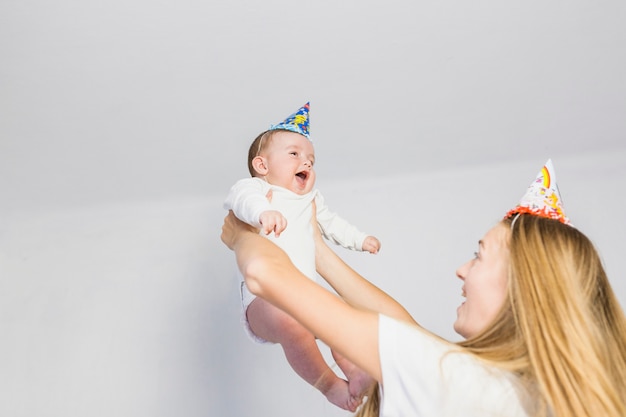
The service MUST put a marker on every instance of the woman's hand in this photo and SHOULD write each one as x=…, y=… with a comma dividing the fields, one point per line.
x=322, y=250
x=317, y=234
x=233, y=229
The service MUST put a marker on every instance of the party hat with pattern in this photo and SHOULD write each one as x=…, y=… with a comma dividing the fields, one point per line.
x=297, y=122
x=542, y=197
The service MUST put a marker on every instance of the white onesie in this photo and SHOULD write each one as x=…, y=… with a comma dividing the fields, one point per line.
x=247, y=199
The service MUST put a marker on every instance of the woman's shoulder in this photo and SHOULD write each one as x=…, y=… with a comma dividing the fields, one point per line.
x=439, y=377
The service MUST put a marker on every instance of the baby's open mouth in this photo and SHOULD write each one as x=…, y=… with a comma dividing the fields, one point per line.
x=303, y=175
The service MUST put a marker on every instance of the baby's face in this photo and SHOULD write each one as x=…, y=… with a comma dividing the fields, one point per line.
x=290, y=158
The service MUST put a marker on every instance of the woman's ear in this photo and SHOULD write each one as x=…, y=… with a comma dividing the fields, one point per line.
x=259, y=165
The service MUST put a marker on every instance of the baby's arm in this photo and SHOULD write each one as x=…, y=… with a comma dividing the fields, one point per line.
x=371, y=245
x=341, y=232
x=249, y=199
x=272, y=221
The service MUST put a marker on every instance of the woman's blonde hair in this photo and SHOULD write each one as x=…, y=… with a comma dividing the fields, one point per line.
x=371, y=407
x=561, y=330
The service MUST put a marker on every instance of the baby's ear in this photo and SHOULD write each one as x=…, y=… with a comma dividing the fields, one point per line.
x=259, y=165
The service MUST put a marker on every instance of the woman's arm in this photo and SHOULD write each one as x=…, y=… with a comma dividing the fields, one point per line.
x=270, y=275
x=353, y=288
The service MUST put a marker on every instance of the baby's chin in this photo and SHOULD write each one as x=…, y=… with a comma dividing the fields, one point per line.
x=301, y=188
x=300, y=191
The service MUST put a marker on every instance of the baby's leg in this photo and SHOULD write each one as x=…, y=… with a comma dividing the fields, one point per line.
x=359, y=380
x=301, y=350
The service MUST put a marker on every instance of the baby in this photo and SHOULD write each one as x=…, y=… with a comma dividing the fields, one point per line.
x=278, y=199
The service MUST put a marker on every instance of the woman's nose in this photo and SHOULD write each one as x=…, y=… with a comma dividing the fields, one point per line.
x=462, y=270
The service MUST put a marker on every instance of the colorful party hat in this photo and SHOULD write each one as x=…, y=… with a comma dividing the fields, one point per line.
x=542, y=197
x=297, y=122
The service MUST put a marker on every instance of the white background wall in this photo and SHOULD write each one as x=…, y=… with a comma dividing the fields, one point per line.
x=122, y=125
x=131, y=309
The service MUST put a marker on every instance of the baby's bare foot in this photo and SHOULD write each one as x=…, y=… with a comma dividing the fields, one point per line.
x=339, y=394
x=358, y=380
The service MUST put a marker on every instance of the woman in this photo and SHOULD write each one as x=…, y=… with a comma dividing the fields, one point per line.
x=545, y=335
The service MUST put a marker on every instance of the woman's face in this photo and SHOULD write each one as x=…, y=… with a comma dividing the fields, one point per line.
x=484, y=283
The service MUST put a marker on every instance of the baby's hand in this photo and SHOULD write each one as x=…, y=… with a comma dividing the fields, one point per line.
x=371, y=245
x=272, y=221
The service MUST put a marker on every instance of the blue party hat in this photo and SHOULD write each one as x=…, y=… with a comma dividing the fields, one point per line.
x=297, y=122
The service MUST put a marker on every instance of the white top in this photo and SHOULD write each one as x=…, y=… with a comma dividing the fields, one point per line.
x=427, y=377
